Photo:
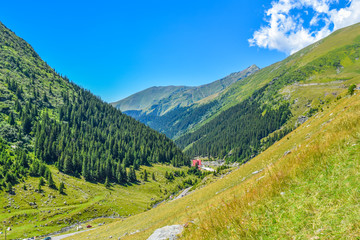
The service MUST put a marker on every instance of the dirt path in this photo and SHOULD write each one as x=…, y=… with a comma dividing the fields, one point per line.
x=183, y=193
x=69, y=234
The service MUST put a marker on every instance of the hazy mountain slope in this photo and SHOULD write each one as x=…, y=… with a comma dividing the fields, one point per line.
x=159, y=100
x=303, y=186
x=304, y=82
x=145, y=99
x=180, y=109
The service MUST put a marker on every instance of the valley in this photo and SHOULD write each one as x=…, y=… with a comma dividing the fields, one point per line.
x=290, y=186
x=288, y=136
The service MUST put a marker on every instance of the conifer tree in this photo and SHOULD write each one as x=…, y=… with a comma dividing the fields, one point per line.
x=27, y=125
x=50, y=181
x=145, y=175
x=107, y=184
x=11, y=119
x=8, y=187
x=68, y=165
x=132, y=175
x=61, y=188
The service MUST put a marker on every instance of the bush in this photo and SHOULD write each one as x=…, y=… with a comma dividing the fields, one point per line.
x=351, y=89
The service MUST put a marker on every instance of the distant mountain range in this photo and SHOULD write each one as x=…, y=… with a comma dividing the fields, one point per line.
x=244, y=113
x=155, y=106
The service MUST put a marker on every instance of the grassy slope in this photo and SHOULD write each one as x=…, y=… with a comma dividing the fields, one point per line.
x=239, y=91
x=319, y=180
x=310, y=193
x=82, y=201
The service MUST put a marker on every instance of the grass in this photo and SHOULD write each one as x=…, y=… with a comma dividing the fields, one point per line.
x=81, y=202
x=309, y=193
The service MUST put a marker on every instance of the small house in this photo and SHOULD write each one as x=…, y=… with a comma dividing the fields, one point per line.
x=196, y=162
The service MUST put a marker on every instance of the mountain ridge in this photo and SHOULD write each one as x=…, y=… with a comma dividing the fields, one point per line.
x=179, y=96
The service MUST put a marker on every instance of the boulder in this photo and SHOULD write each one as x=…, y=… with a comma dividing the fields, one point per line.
x=167, y=232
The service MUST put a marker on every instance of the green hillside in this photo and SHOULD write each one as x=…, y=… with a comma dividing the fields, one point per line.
x=59, y=141
x=45, y=117
x=302, y=187
x=252, y=109
x=174, y=110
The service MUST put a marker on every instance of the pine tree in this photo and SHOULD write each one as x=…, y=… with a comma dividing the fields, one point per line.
x=50, y=181
x=18, y=106
x=61, y=188
x=107, y=184
x=132, y=175
x=11, y=119
x=85, y=170
x=153, y=176
x=41, y=183
x=27, y=125
x=8, y=187
x=145, y=175
x=68, y=165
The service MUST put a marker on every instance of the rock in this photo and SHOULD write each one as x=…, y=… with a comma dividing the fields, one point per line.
x=167, y=232
x=287, y=152
x=256, y=172
x=301, y=120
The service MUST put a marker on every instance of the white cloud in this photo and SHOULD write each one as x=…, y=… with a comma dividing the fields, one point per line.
x=285, y=30
x=346, y=16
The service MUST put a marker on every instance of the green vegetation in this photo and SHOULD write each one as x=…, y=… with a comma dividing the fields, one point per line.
x=305, y=194
x=65, y=155
x=241, y=131
x=45, y=119
x=303, y=186
x=33, y=213
x=237, y=130
x=173, y=110
x=176, y=121
x=351, y=89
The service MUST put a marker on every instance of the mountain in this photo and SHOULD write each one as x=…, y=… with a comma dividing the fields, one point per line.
x=166, y=109
x=63, y=151
x=259, y=110
x=303, y=186
x=147, y=98
x=45, y=119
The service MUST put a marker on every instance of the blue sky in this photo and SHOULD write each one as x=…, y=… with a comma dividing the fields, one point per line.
x=117, y=48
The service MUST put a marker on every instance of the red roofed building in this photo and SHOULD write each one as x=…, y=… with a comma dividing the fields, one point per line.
x=196, y=162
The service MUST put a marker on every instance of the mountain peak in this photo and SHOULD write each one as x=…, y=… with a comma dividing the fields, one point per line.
x=170, y=97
